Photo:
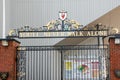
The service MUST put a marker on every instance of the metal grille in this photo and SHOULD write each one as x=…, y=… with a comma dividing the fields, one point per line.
x=62, y=63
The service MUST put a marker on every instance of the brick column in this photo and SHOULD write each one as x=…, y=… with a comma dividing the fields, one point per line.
x=114, y=58
x=8, y=58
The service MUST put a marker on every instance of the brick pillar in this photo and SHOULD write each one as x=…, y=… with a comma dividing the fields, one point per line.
x=8, y=58
x=114, y=58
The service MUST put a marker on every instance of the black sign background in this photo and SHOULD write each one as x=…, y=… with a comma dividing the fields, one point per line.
x=62, y=34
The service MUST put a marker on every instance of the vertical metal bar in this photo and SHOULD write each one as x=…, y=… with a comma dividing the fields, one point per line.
x=45, y=74
x=77, y=59
x=31, y=65
x=35, y=66
x=92, y=52
x=71, y=59
x=73, y=54
x=80, y=54
x=26, y=73
x=63, y=25
x=59, y=65
x=56, y=65
x=42, y=65
x=52, y=73
x=30, y=61
x=87, y=59
x=62, y=63
x=34, y=63
x=90, y=59
x=84, y=60
x=95, y=52
x=103, y=42
x=108, y=52
x=98, y=38
x=25, y=64
x=17, y=65
x=99, y=58
x=53, y=64
x=97, y=55
x=50, y=63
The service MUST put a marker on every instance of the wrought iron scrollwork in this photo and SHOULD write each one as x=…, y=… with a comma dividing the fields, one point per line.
x=4, y=75
x=54, y=25
x=21, y=65
x=117, y=73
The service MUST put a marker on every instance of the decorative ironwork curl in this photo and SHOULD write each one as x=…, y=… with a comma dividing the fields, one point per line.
x=54, y=25
x=4, y=75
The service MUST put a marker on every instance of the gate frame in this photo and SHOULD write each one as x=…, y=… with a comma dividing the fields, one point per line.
x=65, y=47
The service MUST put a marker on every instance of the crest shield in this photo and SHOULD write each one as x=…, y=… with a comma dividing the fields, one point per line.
x=63, y=15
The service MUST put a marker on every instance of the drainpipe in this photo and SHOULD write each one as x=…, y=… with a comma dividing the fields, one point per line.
x=3, y=35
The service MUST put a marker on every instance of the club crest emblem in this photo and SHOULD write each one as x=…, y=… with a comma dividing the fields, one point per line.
x=62, y=15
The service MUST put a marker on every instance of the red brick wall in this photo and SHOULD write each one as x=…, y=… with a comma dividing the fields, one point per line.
x=114, y=58
x=8, y=59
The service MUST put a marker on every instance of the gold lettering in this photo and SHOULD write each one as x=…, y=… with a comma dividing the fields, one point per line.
x=81, y=34
x=69, y=33
x=105, y=33
x=27, y=34
x=92, y=33
x=20, y=34
x=95, y=33
x=57, y=33
x=62, y=34
x=89, y=34
x=100, y=33
x=46, y=34
x=36, y=34
x=73, y=34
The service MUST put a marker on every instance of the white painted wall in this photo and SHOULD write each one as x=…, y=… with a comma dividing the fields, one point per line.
x=39, y=12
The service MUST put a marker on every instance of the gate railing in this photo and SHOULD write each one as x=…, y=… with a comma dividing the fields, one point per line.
x=80, y=62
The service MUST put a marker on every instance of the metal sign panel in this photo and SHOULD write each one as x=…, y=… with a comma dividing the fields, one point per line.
x=62, y=34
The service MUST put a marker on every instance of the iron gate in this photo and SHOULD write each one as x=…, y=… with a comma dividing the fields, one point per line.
x=87, y=62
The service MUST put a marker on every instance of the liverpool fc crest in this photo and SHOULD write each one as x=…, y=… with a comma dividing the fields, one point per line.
x=62, y=15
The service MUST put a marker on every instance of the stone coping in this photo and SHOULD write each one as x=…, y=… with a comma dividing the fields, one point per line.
x=1, y=39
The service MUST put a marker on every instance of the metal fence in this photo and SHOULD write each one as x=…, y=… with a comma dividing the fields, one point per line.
x=88, y=62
